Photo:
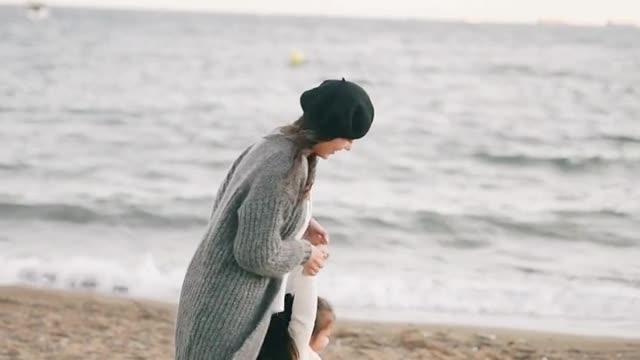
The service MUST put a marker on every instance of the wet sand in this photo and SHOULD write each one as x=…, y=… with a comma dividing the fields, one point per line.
x=48, y=324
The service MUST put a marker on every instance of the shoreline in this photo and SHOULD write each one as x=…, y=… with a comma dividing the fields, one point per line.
x=44, y=323
x=516, y=324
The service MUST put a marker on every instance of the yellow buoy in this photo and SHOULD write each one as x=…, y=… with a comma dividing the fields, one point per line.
x=296, y=58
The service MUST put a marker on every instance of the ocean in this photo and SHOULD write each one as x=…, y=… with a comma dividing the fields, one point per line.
x=499, y=184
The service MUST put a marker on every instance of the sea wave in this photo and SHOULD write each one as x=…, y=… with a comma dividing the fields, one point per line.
x=528, y=294
x=563, y=163
x=78, y=214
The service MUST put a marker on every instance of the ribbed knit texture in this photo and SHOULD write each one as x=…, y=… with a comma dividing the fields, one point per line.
x=236, y=272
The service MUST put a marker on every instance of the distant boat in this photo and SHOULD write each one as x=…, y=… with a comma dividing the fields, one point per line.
x=37, y=10
x=552, y=22
x=621, y=24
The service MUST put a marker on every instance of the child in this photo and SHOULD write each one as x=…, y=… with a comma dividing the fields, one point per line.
x=304, y=328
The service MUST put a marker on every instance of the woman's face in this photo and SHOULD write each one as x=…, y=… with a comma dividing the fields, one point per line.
x=321, y=340
x=327, y=148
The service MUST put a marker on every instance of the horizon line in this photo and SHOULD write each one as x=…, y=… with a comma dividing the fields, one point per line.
x=208, y=10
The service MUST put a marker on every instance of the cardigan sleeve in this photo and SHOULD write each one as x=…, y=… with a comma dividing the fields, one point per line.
x=258, y=246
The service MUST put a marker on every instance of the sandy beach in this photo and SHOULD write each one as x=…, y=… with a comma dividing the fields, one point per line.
x=47, y=324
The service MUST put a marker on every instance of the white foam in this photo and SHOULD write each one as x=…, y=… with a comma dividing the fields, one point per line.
x=535, y=295
x=525, y=301
x=378, y=293
x=144, y=279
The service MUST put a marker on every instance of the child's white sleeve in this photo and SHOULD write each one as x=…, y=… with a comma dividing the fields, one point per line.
x=303, y=312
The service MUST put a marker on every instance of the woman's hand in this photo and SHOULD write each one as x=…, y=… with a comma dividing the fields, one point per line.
x=319, y=255
x=316, y=234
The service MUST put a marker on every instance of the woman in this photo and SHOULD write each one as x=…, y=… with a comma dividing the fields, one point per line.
x=232, y=281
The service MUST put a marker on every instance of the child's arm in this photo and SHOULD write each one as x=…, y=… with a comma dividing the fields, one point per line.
x=303, y=312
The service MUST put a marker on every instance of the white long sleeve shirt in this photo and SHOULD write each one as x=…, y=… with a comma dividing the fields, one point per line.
x=278, y=302
x=303, y=312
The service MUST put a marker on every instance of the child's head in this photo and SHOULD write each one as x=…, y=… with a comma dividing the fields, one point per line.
x=325, y=319
x=278, y=343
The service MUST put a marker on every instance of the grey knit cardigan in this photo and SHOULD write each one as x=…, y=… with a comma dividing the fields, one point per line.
x=225, y=303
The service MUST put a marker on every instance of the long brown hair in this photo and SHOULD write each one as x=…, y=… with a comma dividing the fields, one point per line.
x=278, y=343
x=305, y=140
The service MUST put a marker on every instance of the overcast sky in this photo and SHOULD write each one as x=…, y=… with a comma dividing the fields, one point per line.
x=573, y=11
